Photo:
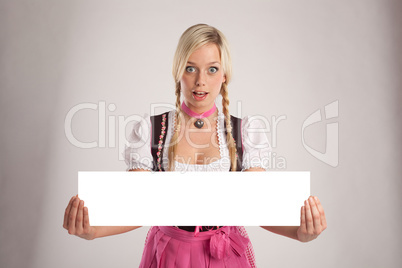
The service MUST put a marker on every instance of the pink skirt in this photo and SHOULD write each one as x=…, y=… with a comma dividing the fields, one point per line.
x=171, y=247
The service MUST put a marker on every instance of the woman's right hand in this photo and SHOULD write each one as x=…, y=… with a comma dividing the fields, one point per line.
x=76, y=219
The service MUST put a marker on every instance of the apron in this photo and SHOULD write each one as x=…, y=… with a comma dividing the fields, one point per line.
x=171, y=247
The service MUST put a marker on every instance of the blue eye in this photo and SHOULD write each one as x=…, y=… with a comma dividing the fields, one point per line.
x=213, y=70
x=190, y=69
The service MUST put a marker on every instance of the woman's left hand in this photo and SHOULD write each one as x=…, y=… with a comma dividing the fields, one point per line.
x=312, y=220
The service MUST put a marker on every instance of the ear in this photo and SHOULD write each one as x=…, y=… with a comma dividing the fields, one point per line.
x=224, y=79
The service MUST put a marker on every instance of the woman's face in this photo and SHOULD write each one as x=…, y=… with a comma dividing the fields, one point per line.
x=202, y=78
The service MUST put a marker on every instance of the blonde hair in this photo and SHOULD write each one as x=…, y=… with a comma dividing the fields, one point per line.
x=192, y=39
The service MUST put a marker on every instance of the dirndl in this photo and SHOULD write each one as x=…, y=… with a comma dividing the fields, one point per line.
x=171, y=247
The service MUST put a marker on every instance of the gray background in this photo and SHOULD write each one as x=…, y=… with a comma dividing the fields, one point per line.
x=289, y=58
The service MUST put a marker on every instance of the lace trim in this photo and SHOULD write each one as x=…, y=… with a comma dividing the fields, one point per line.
x=220, y=138
x=138, y=166
x=169, y=134
x=160, y=144
x=226, y=148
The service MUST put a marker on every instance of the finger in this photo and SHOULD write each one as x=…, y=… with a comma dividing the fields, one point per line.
x=66, y=212
x=309, y=218
x=72, y=216
x=80, y=216
x=303, y=219
x=86, y=220
x=316, y=216
x=71, y=206
x=322, y=213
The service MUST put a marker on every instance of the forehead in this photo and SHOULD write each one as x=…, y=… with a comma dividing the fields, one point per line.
x=205, y=54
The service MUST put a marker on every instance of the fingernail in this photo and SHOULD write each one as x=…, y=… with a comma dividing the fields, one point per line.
x=316, y=198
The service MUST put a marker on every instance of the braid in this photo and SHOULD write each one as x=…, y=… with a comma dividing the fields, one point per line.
x=229, y=137
x=175, y=137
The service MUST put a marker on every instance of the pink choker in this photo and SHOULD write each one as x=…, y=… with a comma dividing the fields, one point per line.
x=198, y=123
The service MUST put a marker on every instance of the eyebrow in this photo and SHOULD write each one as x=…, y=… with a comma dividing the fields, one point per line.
x=190, y=62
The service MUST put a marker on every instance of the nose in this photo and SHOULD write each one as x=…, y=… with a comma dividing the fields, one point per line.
x=200, y=81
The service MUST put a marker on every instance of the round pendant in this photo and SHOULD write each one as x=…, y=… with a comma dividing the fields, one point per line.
x=199, y=123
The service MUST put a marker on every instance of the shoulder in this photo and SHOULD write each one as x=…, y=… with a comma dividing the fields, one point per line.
x=255, y=122
x=257, y=148
x=254, y=130
x=137, y=153
x=140, y=125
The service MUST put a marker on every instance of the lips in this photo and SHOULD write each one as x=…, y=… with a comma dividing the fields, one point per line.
x=200, y=95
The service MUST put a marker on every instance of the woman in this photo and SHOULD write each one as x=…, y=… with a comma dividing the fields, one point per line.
x=197, y=137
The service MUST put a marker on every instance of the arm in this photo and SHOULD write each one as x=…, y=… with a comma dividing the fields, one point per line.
x=288, y=231
x=102, y=231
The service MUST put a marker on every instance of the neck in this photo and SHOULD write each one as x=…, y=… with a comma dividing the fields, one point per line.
x=191, y=113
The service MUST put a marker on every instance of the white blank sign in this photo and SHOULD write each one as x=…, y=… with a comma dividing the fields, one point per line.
x=194, y=198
